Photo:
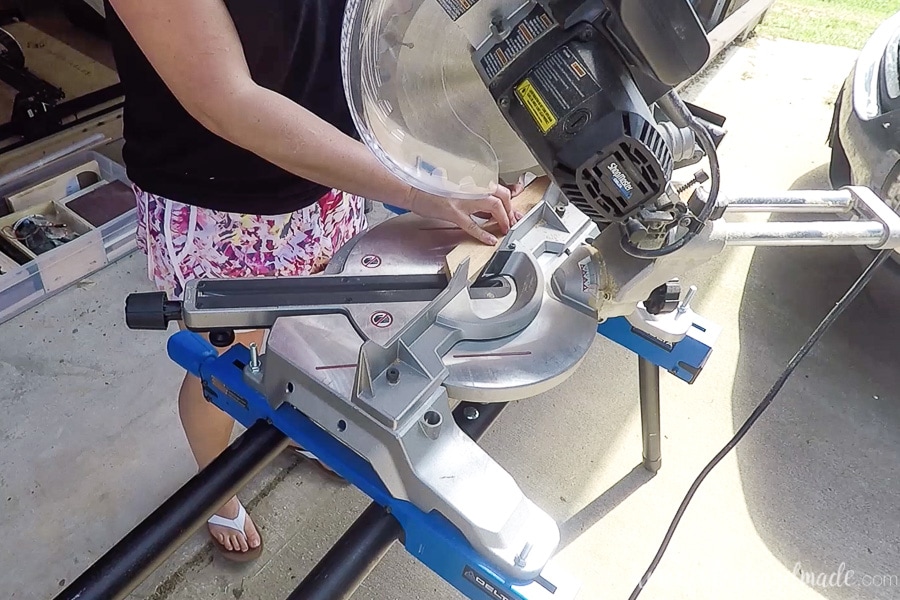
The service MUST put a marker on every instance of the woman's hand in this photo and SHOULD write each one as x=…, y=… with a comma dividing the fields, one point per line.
x=497, y=207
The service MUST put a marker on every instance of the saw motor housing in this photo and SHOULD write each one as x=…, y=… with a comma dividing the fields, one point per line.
x=576, y=81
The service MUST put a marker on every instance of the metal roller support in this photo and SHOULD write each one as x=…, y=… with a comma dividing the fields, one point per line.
x=651, y=429
x=829, y=202
x=817, y=233
x=870, y=222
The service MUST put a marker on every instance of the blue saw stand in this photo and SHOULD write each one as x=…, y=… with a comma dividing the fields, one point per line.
x=429, y=537
x=685, y=360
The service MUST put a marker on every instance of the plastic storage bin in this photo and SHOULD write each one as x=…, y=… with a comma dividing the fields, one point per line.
x=23, y=286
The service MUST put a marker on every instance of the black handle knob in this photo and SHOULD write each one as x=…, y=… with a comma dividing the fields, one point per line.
x=151, y=311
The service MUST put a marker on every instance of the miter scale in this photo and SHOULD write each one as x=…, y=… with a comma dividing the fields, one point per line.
x=376, y=365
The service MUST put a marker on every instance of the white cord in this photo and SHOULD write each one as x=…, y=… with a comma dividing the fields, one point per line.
x=176, y=257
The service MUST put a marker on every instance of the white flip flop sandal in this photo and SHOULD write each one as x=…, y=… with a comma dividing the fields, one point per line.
x=237, y=524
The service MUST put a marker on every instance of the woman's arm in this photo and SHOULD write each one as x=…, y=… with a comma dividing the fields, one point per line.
x=194, y=47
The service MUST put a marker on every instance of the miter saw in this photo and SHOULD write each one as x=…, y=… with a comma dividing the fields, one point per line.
x=365, y=364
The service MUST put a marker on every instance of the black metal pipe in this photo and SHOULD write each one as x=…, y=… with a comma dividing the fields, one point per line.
x=651, y=430
x=352, y=558
x=347, y=564
x=137, y=555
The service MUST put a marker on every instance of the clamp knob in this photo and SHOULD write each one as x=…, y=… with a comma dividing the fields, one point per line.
x=664, y=299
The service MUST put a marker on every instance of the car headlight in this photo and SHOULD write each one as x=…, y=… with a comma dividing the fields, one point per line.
x=866, y=95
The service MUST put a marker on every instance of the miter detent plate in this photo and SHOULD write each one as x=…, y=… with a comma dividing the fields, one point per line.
x=419, y=103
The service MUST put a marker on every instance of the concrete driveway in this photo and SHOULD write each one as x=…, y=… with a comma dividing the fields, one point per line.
x=90, y=441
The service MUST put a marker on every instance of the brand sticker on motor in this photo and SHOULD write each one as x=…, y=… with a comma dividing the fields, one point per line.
x=621, y=180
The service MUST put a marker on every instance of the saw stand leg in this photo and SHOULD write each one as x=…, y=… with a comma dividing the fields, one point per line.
x=648, y=375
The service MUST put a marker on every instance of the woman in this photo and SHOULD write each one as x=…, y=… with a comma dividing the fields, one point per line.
x=241, y=148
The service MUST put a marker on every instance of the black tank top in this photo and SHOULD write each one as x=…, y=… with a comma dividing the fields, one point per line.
x=292, y=47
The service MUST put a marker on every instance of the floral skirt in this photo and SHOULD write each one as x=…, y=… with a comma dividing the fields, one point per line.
x=185, y=242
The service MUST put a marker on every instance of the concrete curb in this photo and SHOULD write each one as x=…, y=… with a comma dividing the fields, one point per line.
x=738, y=26
x=735, y=29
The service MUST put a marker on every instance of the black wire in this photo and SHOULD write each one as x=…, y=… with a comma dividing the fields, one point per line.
x=704, y=138
x=827, y=322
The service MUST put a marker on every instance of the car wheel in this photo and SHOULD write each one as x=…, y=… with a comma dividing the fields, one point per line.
x=839, y=167
x=884, y=289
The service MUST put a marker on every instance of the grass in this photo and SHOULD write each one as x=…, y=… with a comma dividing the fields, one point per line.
x=834, y=22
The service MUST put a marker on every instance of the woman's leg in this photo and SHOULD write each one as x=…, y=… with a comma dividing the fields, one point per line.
x=176, y=240
x=184, y=243
x=208, y=431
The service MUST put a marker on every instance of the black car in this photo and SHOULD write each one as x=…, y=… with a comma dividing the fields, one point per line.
x=865, y=137
x=865, y=131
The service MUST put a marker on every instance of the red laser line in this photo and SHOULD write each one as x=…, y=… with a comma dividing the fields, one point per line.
x=492, y=354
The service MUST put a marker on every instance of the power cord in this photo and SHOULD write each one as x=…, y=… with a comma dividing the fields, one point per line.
x=826, y=323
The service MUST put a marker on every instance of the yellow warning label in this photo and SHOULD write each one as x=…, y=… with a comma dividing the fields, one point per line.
x=536, y=106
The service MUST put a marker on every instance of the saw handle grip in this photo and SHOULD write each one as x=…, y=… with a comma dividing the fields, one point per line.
x=151, y=311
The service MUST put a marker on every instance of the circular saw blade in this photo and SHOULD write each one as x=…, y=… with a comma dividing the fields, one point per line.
x=10, y=50
x=419, y=103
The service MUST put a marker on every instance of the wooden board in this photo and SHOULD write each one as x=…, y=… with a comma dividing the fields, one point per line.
x=52, y=21
x=59, y=64
x=478, y=253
